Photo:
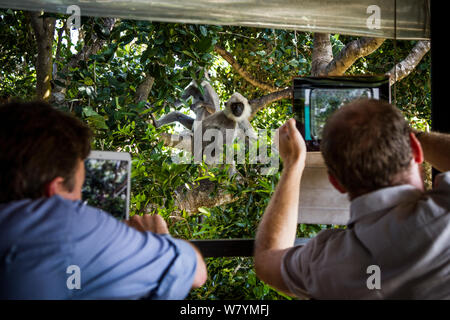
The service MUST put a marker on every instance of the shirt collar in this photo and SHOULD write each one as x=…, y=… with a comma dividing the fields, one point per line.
x=381, y=199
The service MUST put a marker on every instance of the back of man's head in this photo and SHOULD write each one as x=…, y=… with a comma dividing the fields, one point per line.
x=37, y=144
x=366, y=146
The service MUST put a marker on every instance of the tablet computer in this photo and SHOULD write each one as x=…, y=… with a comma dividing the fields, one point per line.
x=107, y=182
x=316, y=98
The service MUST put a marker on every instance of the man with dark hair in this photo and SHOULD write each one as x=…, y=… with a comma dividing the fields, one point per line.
x=52, y=246
x=397, y=231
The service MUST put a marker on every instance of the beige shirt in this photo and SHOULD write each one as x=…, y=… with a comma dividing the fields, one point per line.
x=404, y=232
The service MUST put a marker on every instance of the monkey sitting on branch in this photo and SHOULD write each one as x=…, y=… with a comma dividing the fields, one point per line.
x=210, y=134
x=222, y=128
x=235, y=117
x=208, y=138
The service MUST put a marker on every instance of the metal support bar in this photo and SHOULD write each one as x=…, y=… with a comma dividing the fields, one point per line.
x=232, y=247
x=440, y=113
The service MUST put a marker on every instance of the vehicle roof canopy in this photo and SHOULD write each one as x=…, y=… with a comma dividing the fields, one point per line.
x=412, y=18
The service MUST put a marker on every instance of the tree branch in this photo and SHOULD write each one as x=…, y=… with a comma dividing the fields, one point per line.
x=261, y=102
x=406, y=66
x=144, y=89
x=200, y=196
x=240, y=70
x=350, y=53
x=58, y=50
x=181, y=142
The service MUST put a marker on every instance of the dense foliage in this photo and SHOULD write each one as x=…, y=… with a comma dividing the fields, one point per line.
x=101, y=91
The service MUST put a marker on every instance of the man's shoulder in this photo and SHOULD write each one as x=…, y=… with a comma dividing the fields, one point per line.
x=442, y=182
x=35, y=207
x=29, y=215
x=331, y=233
x=44, y=206
x=331, y=243
x=325, y=236
x=35, y=222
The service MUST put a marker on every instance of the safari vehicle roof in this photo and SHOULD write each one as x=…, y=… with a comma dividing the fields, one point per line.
x=349, y=17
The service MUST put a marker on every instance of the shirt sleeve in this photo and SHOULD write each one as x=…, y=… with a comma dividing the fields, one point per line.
x=292, y=272
x=441, y=191
x=119, y=262
x=301, y=266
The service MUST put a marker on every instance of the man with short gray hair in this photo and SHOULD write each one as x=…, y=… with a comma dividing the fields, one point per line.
x=397, y=242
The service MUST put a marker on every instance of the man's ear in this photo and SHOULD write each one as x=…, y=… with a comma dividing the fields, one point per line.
x=416, y=148
x=54, y=187
x=336, y=184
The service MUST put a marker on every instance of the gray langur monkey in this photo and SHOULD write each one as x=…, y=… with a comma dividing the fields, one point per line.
x=234, y=119
x=201, y=140
x=235, y=116
x=203, y=104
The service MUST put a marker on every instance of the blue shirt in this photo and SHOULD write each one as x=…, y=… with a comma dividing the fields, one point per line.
x=44, y=241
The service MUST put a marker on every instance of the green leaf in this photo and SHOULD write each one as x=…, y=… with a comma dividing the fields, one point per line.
x=205, y=45
x=160, y=40
x=204, y=211
x=88, y=81
x=204, y=31
x=59, y=83
x=127, y=39
x=88, y=112
x=98, y=122
x=188, y=54
x=261, y=53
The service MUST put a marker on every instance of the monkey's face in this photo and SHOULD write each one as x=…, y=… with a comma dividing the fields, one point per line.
x=237, y=108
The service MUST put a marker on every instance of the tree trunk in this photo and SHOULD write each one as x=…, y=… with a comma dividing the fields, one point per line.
x=44, y=29
x=322, y=54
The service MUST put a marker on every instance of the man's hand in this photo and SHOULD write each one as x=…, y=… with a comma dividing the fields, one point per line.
x=153, y=223
x=435, y=147
x=277, y=229
x=291, y=144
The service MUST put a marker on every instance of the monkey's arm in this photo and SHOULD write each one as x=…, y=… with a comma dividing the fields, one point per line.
x=174, y=116
x=190, y=91
x=208, y=106
x=211, y=98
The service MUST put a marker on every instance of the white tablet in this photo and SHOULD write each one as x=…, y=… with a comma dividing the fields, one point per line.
x=107, y=183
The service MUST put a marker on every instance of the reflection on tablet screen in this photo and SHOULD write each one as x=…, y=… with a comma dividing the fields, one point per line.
x=106, y=186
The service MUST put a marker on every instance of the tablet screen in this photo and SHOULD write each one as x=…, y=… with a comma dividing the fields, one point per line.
x=107, y=184
x=324, y=101
x=316, y=98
